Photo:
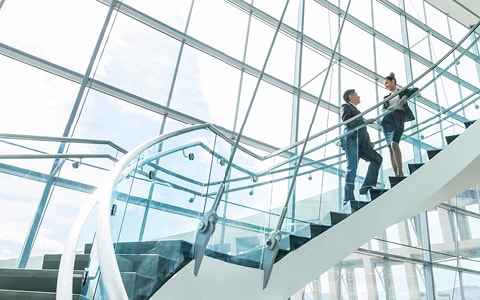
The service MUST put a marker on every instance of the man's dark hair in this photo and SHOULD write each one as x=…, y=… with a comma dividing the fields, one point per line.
x=347, y=94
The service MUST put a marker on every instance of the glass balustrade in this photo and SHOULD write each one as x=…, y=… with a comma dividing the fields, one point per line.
x=163, y=192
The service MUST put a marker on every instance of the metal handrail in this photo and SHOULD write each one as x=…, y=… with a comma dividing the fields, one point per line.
x=60, y=139
x=67, y=260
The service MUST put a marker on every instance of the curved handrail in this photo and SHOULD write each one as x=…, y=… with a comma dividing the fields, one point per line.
x=67, y=260
x=61, y=139
x=65, y=156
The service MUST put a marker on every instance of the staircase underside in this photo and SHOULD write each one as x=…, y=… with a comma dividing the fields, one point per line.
x=452, y=171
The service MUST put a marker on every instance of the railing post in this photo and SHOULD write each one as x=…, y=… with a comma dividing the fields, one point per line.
x=205, y=229
x=269, y=255
x=273, y=242
x=207, y=225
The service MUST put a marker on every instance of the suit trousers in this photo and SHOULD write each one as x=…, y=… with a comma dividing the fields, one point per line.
x=354, y=151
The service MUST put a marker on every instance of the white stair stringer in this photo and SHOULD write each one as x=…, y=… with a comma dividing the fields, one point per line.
x=452, y=171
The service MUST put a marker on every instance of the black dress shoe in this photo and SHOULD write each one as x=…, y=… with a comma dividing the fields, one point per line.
x=364, y=189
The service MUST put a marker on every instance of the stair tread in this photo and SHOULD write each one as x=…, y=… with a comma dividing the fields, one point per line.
x=312, y=230
x=317, y=229
x=31, y=295
x=334, y=217
x=34, y=279
x=292, y=241
x=52, y=261
x=468, y=123
x=352, y=206
x=27, y=272
x=431, y=153
x=451, y=138
x=413, y=167
x=394, y=180
x=375, y=193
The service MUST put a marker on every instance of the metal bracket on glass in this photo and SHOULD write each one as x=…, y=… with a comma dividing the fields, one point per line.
x=269, y=255
x=85, y=277
x=205, y=229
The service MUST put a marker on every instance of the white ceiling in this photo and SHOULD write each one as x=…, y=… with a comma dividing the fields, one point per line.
x=467, y=12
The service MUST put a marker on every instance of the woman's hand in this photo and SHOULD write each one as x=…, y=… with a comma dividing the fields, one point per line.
x=403, y=100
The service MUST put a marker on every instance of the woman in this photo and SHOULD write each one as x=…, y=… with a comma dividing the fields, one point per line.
x=394, y=119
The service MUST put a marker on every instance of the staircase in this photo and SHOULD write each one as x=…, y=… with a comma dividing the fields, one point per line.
x=164, y=269
x=307, y=260
x=412, y=167
x=40, y=284
x=307, y=253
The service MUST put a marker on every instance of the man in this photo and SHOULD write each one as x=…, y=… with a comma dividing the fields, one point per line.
x=356, y=144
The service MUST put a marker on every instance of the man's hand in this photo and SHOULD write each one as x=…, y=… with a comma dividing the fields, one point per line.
x=371, y=144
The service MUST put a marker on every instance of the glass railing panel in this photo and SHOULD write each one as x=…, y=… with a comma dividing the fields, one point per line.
x=169, y=176
x=82, y=160
x=244, y=237
x=250, y=207
x=248, y=189
x=297, y=228
x=317, y=194
x=157, y=202
x=158, y=184
x=165, y=190
x=317, y=179
x=29, y=160
x=244, y=210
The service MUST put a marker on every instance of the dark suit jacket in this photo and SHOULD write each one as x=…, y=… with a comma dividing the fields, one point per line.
x=348, y=111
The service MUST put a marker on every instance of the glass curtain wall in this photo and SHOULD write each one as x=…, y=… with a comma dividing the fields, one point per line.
x=81, y=82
